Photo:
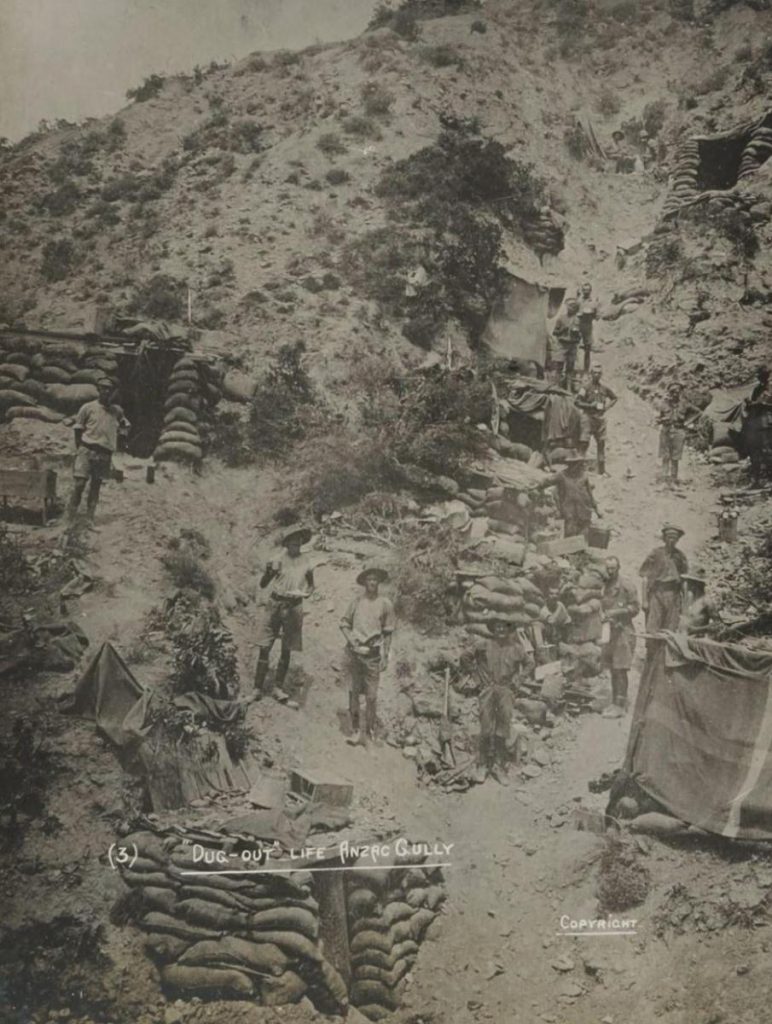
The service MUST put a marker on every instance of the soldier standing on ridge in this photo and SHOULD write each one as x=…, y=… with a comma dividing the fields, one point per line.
x=567, y=333
x=98, y=426
x=499, y=663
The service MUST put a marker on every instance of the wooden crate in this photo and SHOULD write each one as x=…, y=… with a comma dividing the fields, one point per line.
x=563, y=546
x=315, y=790
x=33, y=485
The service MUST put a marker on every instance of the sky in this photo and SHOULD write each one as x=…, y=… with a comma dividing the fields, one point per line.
x=76, y=58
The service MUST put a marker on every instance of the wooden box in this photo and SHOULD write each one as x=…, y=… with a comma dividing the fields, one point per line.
x=563, y=546
x=315, y=790
x=34, y=485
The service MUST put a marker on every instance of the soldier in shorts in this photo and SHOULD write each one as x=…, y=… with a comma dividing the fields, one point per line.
x=367, y=626
x=98, y=426
x=281, y=617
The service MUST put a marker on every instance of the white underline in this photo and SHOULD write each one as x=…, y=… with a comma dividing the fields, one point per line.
x=595, y=935
x=289, y=871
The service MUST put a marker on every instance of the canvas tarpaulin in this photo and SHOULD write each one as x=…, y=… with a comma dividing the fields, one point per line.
x=701, y=736
x=517, y=327
x=552, y=406
x=108, y=693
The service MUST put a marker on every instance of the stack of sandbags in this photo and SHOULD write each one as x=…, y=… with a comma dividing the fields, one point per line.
x=252, y=937
x=685, y=176
x=389, y=913
x=180, y=438
x=48, y=381
x=757, y=152
x=515, y=600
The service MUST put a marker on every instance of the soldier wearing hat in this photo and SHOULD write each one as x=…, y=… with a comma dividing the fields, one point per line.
x=576, y=501
x=500, y=663
x=368, y=626
x=594, y=400
x=662, y=573
x=291, y=579
x=672, y=416
x=98, y=426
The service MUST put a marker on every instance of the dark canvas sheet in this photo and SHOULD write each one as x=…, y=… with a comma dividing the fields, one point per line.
x=701, y=736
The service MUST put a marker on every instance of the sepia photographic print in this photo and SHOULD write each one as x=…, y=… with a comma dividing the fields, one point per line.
x=385, y=548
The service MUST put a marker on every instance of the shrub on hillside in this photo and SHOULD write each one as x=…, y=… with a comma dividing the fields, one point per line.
x=60, y=260
x=188, y=572
x=425, y=575
x=331, y=145
x=608, y=103
x=361, y=127
x=653, y=117
x=376, y=98
x=64, y=200
x=285, y=405
x=150, y=88
x=442, y=56
x=161, y=297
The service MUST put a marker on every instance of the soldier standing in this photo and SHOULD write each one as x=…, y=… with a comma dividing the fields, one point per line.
x=662, y=572
x=588, y=314
x=672, y=417
x=619, y=606
x=594, y=400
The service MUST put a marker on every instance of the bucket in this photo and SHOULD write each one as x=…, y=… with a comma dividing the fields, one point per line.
x=598, y=536
x=727, y=526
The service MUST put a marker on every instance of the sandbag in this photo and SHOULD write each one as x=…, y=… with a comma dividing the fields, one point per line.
x=156, y=898
x=390, y=978
x=292, y=919
x=412, y=877
x=532, y=610
x=178, y=450
x=276, y=902
x=181, y=427
x=185, y=363
x=212, y=915
x=417, y=924
x=326, y=986
x=106, y=364
x=87, y=376
x=529, y=590
x=369, y=939
x=406, y=950
x=10, y=397
x=34, y=388
x=360, y=902
x=368, y=991
x=135, y=879
x=435, y=897
x=479, y=595
x=288, y=988
x=396, y=911
x=170, y=436
x=656, y=824
x=140, y=865
x=374, y=880
x=180, y=415
x=33, y=412
x=165, y=949
x=262, y=958
x=70, y=397
x=218, y=896
x=156, y=921
x=182, y=401
x=185, y=375
x=63, y=352
x=501, y=585
x=180, y=863
x=53, y=375
x=373, y=1011
x=14, y=370
x=292, y=943
x=193, y=980
x=149, y=845
x=22, y=358
x=417, y=897
x=183, y=387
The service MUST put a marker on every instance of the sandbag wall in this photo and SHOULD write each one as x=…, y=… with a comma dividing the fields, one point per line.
x=49, y=381
x=685, y=176
x=757, y=152
x=389, y=913
x=229, y=937
x=191, y=388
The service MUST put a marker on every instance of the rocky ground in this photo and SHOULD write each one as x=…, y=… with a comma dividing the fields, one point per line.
x=700, y=950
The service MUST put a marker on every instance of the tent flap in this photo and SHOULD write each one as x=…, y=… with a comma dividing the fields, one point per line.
x=701, y=736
